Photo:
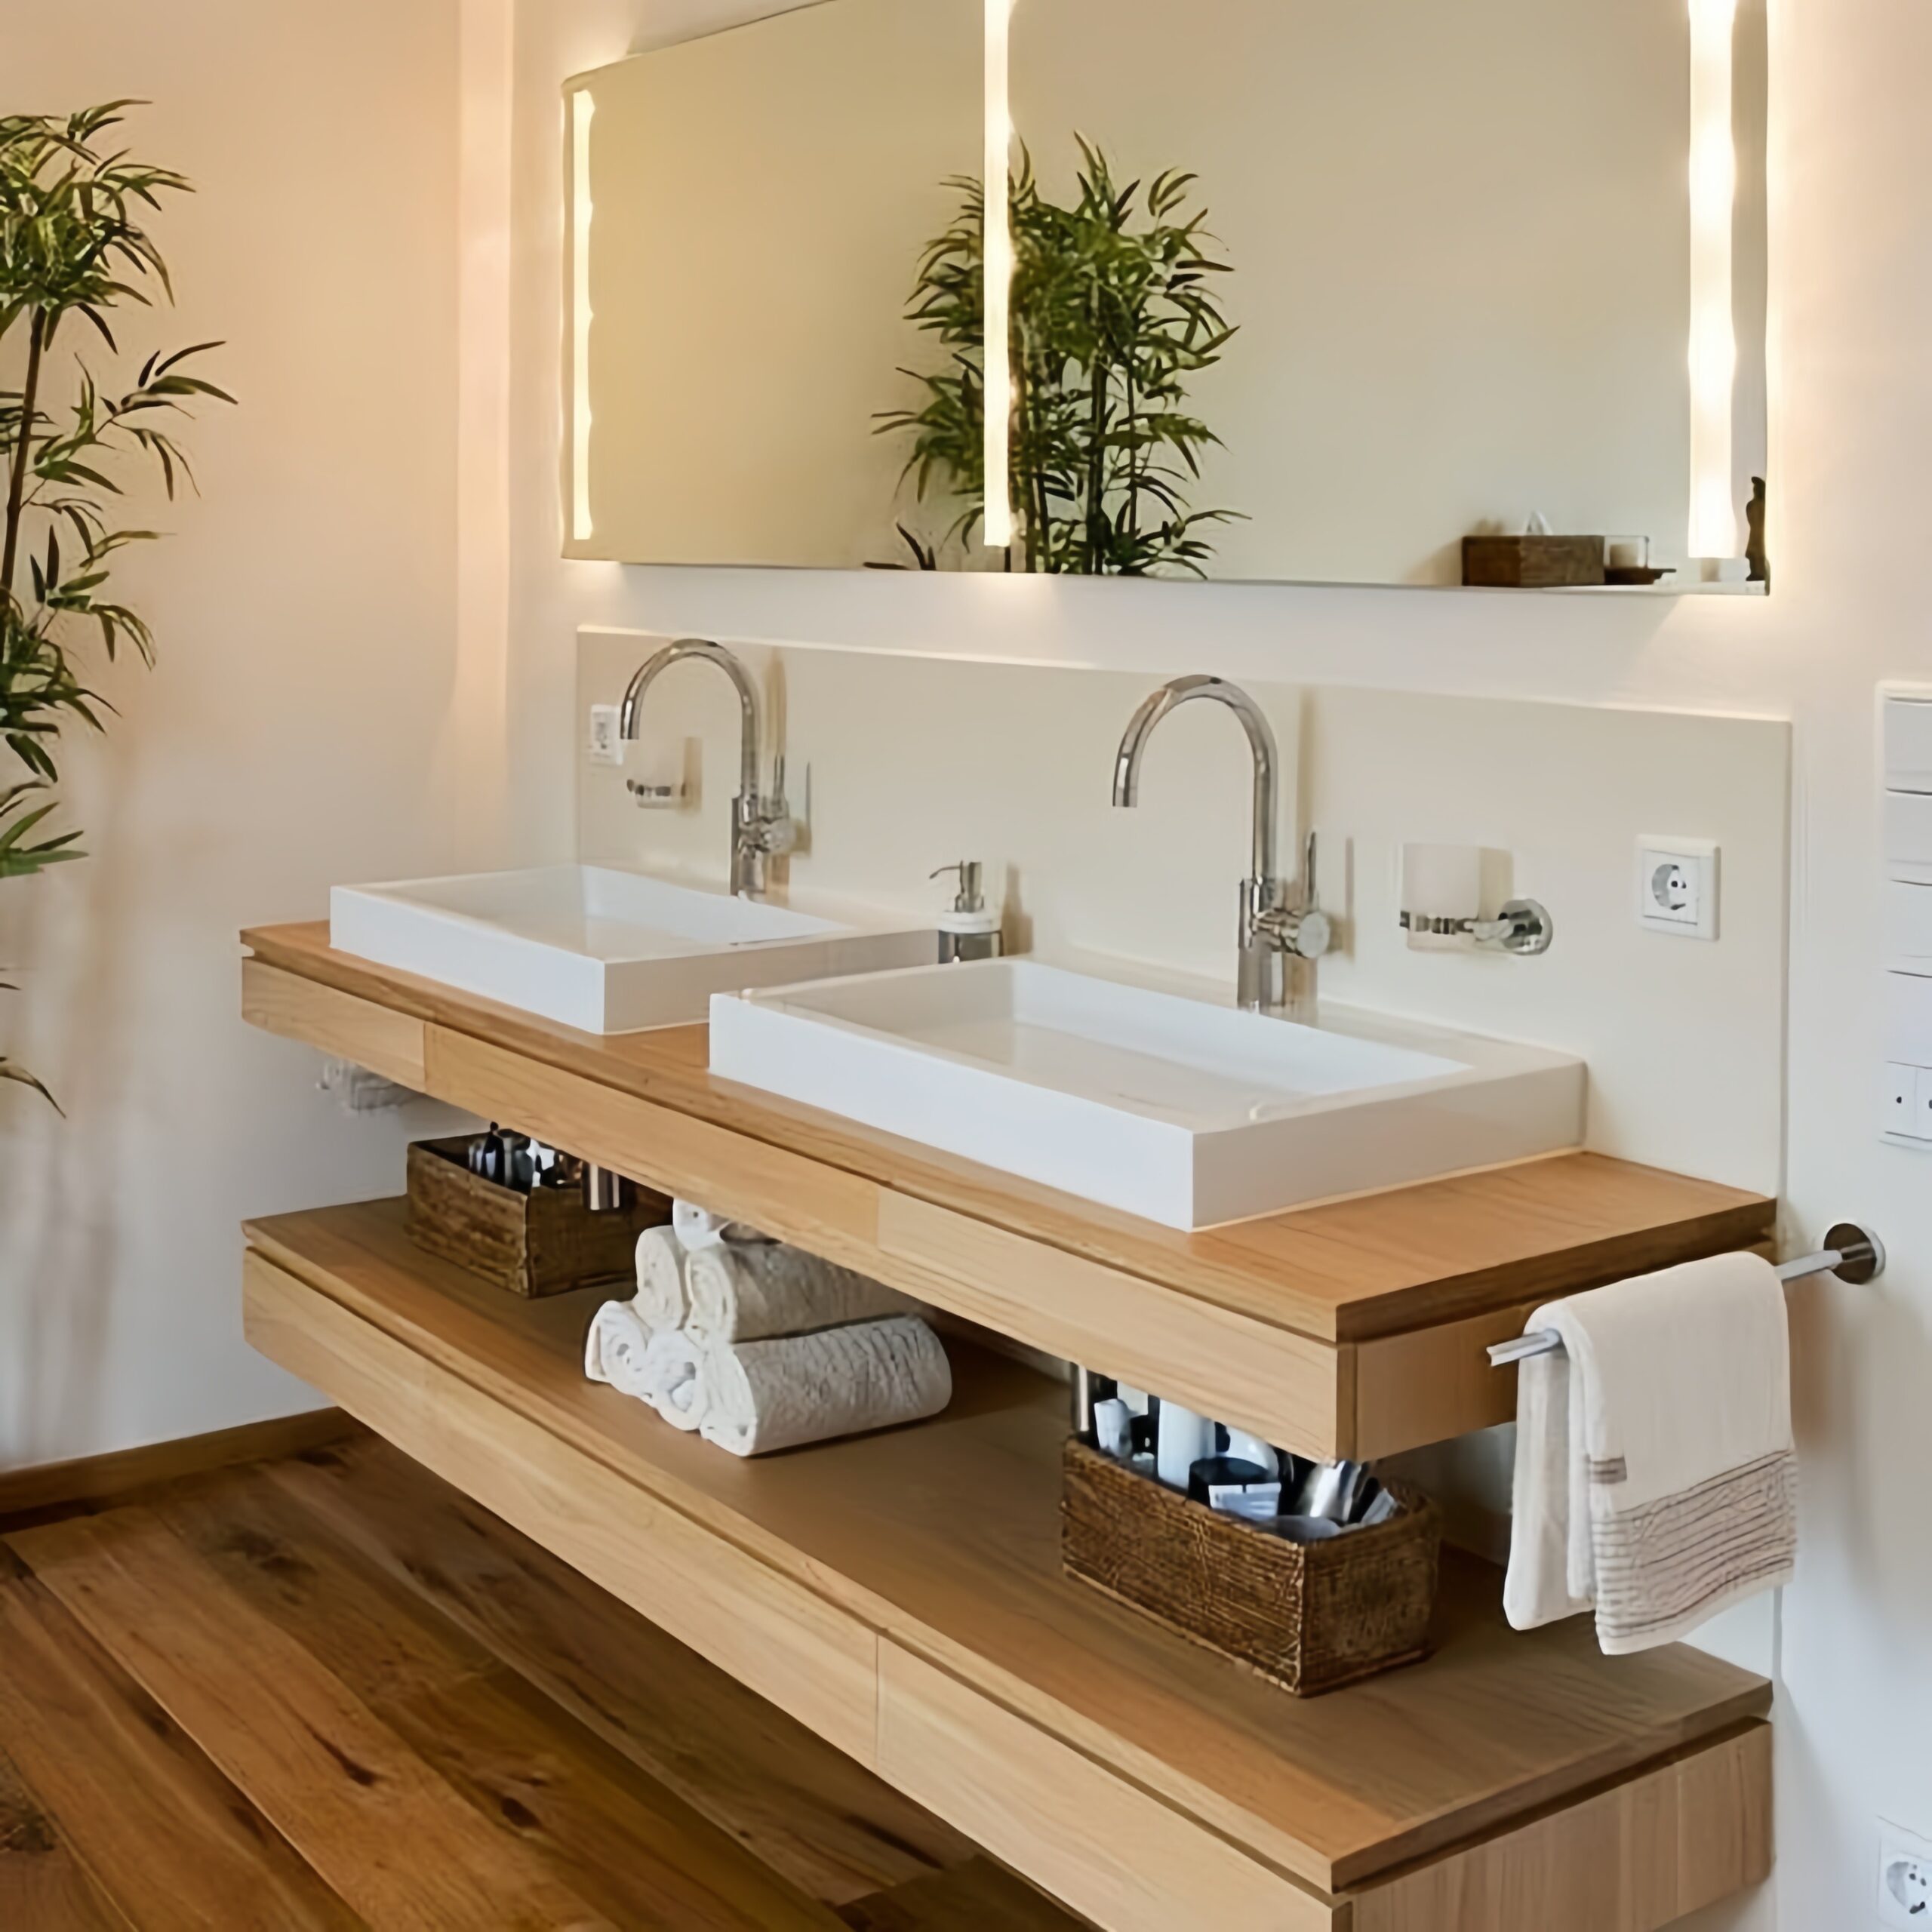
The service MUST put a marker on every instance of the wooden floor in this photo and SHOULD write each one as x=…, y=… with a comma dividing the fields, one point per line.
x=330, y=1693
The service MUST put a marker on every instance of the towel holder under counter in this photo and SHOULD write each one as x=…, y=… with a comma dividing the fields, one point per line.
x=1854, y=1254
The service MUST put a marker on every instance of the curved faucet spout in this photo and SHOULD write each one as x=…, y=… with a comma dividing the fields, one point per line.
x=1260, y=737
x=761, y=828
x=708, y=653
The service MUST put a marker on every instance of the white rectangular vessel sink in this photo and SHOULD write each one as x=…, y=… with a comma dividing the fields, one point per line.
x=602, y=949
x=1182, y=1110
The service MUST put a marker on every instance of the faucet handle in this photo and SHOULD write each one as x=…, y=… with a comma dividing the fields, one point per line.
x=1304, y=930
x=1308, y=934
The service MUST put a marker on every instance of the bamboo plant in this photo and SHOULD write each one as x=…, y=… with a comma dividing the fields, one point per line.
x=1115, y=312
x=74, y=248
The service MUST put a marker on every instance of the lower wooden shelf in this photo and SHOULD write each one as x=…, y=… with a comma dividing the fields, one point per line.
x=901, y=1594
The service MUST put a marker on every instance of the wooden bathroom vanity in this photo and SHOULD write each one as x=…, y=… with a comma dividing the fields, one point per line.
x=902, y=1594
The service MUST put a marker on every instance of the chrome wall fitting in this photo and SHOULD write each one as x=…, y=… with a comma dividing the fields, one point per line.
x=1854, y=1254
x=1524, y=927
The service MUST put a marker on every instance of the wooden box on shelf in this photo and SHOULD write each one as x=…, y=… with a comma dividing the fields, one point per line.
x=1532, y=562
x=544, y=1243
x=1308, y=1617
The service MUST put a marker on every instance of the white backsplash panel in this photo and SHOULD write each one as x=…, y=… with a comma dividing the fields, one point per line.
x=902, y=764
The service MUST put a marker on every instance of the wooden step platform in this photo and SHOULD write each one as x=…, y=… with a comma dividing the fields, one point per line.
x=901, y=1596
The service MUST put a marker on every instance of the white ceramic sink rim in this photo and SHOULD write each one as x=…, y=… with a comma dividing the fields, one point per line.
x=610, y=907
x=1179, y=1107
x=608, y=948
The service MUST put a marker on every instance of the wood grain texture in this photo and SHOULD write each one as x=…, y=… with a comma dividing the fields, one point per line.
x=52, y=1486
x=976, y=1898
x=631, y=1849
x=370, y=1035
x=166, y=1839
x=387, y=1835
x=1431, y=1384
x=945, y=1538
x=448, y=1628
x=1636, y=1858
x=42, y=1885
x=806, y=1811
x=1286, y=1388
x=1340, y=1271
x=769, y=1631
x=1110, y=1850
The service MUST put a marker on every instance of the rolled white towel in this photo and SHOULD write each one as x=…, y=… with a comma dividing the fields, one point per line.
x=751, y=1294
x=671, y=1366
x=661, y=1302
x=661, y=1370
x=614, y=1349
x=698, y=1228
x=762, y=1396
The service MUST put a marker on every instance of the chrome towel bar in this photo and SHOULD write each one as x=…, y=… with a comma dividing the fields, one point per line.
x=1854, y=1254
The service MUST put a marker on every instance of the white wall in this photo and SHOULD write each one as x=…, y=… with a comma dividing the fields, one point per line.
x=297, y=730
x=1852, y=149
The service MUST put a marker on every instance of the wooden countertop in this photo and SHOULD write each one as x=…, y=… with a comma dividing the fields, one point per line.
x=1347, y=1271
x=943, y=1539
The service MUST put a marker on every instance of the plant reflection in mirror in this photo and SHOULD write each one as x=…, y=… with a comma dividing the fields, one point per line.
x=1114, y=313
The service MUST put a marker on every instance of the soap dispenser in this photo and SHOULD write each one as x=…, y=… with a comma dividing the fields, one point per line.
x=967, y=930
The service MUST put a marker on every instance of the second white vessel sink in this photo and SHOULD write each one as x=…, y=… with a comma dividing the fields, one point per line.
x=1182, y=1110
x=602, y=949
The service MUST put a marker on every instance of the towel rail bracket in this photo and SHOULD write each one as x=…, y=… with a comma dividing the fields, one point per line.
x=1854, y=1254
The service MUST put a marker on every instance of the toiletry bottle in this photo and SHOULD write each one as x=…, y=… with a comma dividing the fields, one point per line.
x=1181, y=1439
x=968, y=929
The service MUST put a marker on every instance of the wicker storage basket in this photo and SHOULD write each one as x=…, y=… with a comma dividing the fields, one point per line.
x=1309, y=1617
x=546, y=1243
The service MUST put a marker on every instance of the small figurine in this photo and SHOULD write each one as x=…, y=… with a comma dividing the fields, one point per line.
x=1754, y=552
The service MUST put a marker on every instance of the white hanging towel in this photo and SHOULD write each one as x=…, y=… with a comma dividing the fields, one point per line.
x=762, y=1396
x=741, y=1293
x=1656, y=1472
x=661, y=1304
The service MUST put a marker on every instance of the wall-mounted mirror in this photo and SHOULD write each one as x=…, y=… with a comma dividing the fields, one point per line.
x=1384, y=293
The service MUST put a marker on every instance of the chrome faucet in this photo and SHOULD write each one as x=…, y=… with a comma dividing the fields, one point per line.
x=1280, y=941
x=761, y=827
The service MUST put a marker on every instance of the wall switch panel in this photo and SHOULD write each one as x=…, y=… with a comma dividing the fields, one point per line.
x=1677, y=886
x=606, y=745
x=1909, y=739
x=1908, y=837
x=1908, y=927
x=1905, y=1101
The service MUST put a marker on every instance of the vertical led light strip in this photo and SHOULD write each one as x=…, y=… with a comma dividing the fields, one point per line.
x=582, y=108
x=1713, y=331
x=998, y=252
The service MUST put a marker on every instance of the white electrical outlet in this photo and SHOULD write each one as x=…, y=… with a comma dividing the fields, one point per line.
x=606, y=745
x=1677, y=886
x=1905, y=1877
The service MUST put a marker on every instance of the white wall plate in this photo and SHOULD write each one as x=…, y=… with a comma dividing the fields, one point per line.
x=1677, y=886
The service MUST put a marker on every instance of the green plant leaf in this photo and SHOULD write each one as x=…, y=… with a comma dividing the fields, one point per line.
x=1112, y=319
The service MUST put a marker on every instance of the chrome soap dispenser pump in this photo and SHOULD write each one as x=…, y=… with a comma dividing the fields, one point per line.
x=968, y=929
